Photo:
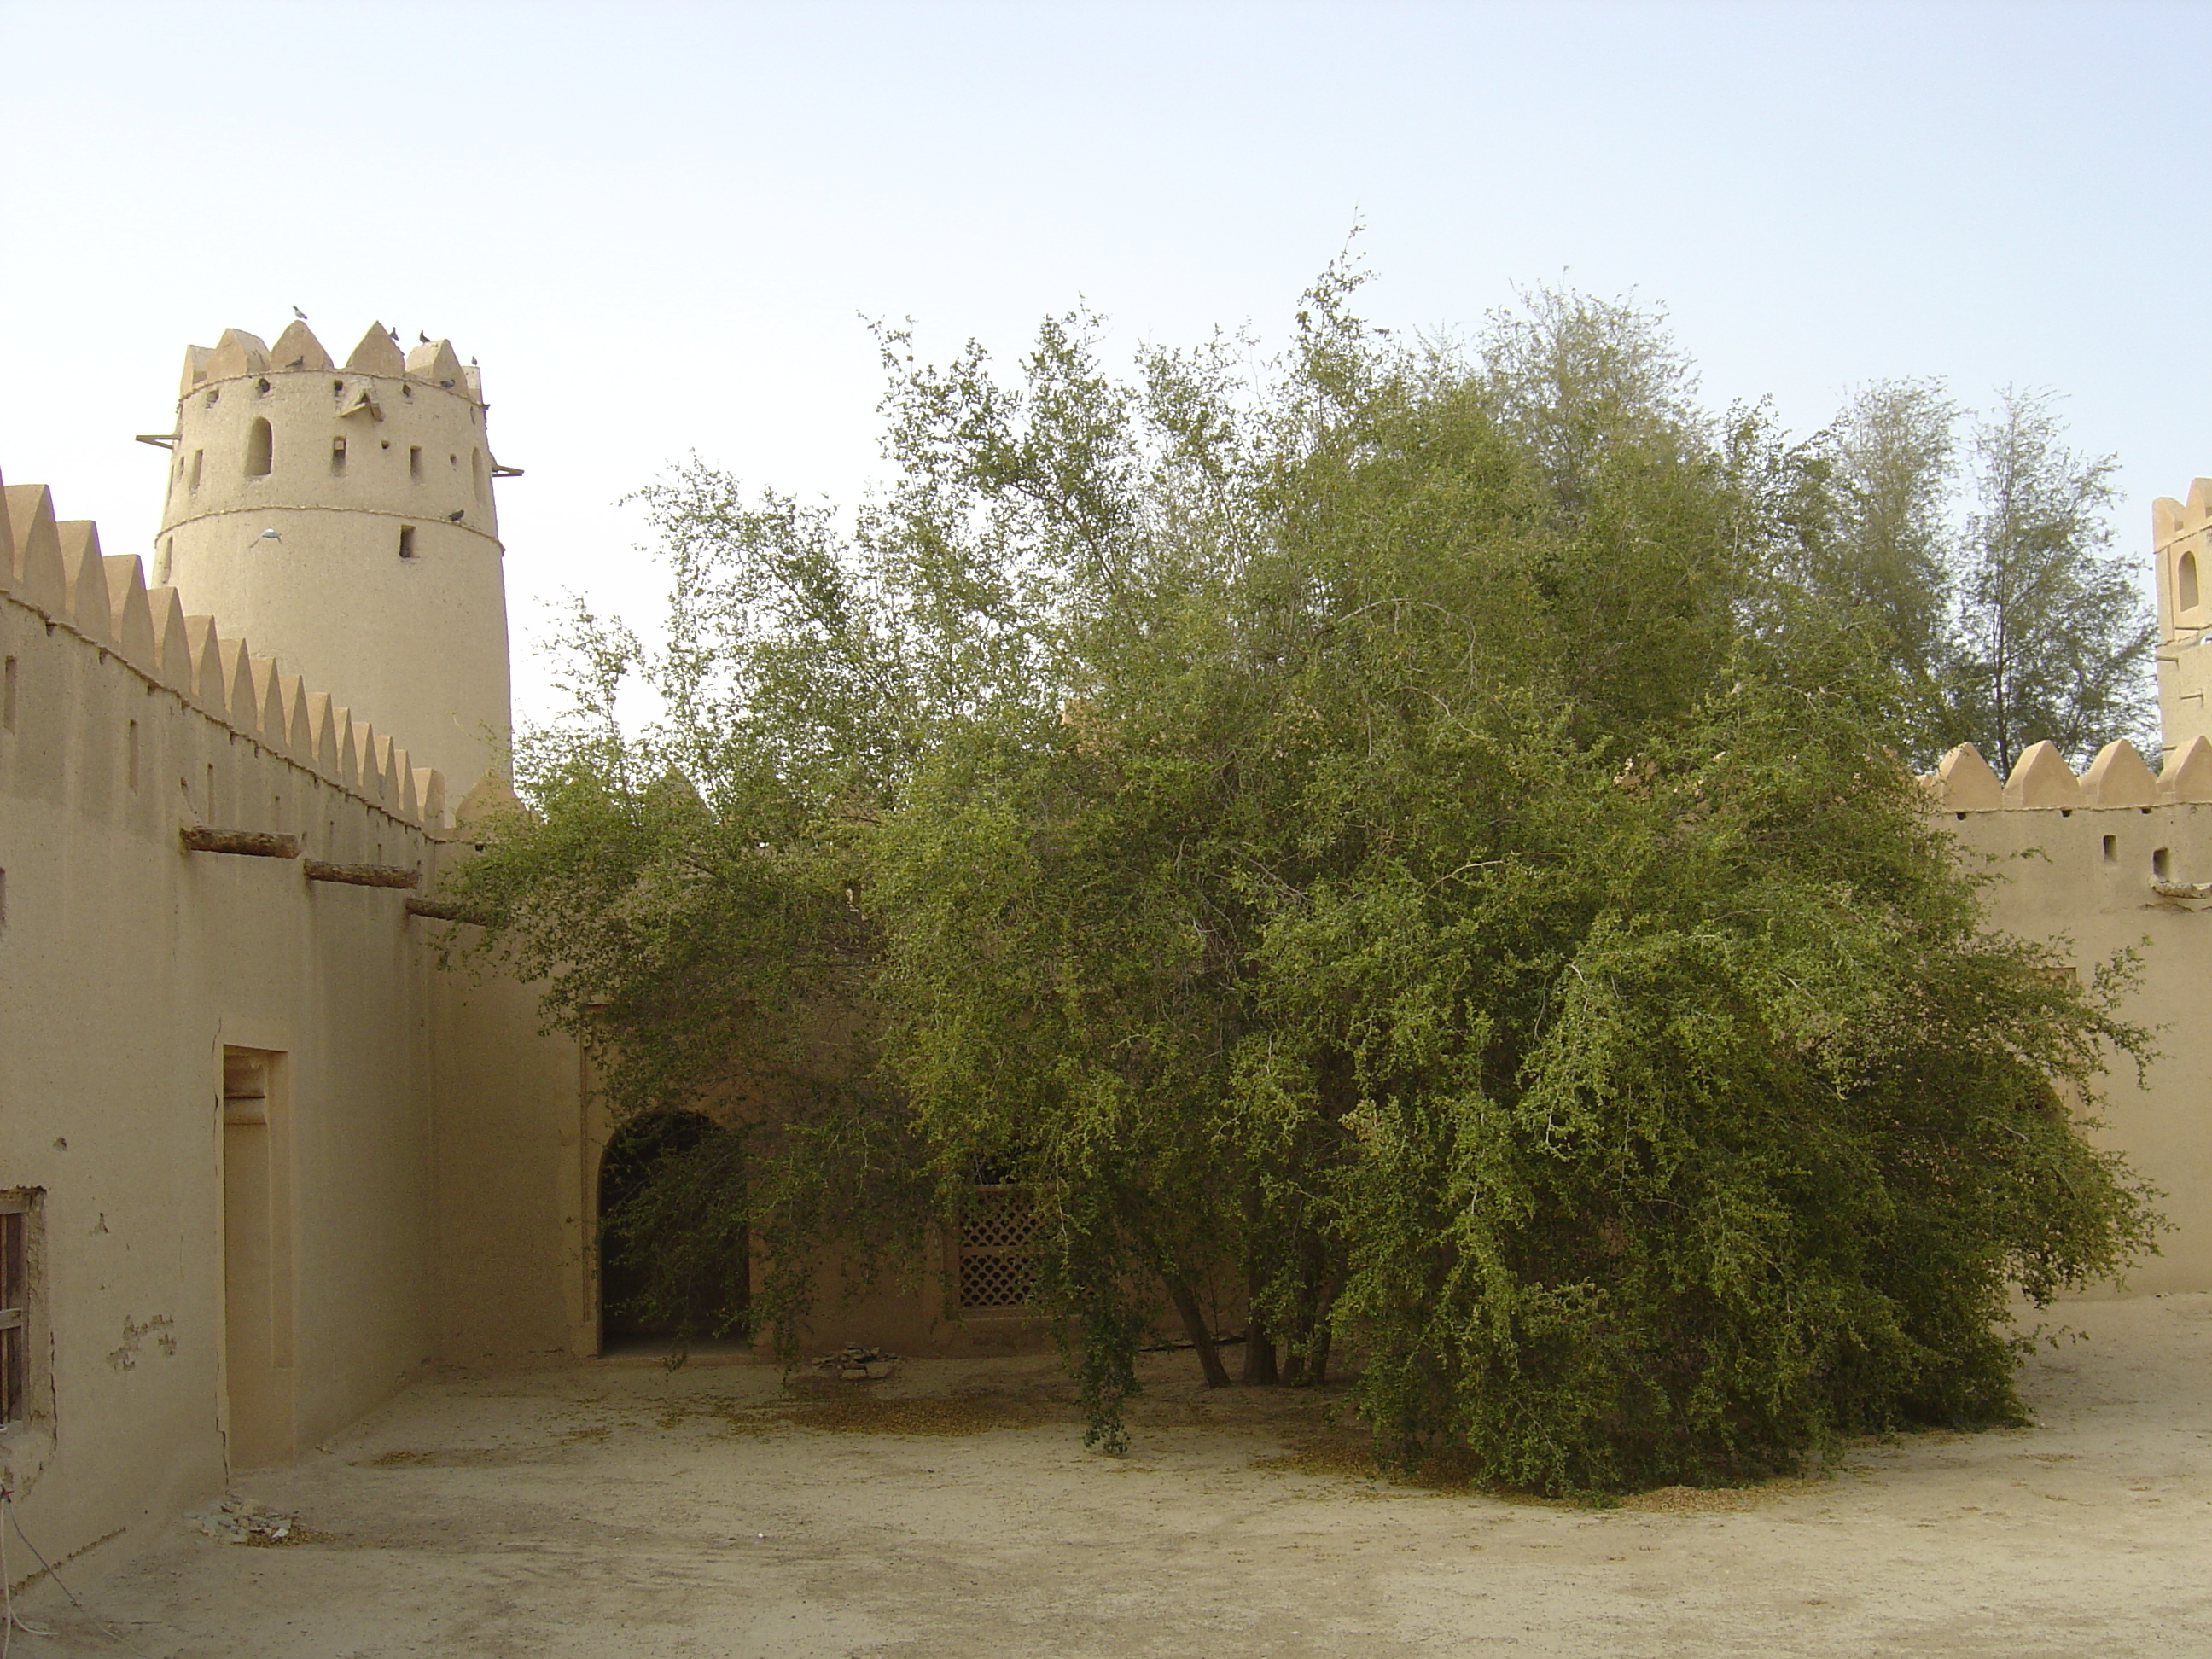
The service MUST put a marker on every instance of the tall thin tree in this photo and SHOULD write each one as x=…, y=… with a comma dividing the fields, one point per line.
x=2056, y=637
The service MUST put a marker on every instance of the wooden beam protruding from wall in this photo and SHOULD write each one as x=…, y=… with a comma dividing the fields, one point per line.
x=245, y=843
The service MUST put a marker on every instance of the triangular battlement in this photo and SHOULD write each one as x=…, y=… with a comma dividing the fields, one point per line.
x=2041, y=780
x=239, y=355
x=56, y=568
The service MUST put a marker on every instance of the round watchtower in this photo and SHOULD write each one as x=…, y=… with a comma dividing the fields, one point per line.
x=341, y=520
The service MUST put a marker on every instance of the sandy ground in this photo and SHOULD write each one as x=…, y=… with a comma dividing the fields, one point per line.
x=628, y=1512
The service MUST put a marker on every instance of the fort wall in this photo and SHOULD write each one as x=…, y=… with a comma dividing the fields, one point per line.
x=235, y=1077
x=2118, y=858
x=130, y=966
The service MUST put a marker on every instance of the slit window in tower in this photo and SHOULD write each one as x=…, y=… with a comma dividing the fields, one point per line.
x=2185, y=582
x=260, y=449
x=415, y=464
x=193, y=482
x=406, y=541
x=338, y=457
x=2162, y=865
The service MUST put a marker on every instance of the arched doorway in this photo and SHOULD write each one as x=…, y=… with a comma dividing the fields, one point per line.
x=703, y=1269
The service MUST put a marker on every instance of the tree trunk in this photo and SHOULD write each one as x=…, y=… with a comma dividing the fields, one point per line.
x=1300, y=1345
x=1201, y=1339
x=1258, y=1354
x=1259, y=1346
x=1321, y=1354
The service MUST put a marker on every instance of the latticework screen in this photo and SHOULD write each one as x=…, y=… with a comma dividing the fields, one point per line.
x=996, y=1267
x=13, y=1335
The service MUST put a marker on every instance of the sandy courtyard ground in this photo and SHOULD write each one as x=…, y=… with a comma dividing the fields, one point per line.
x=624, y=1512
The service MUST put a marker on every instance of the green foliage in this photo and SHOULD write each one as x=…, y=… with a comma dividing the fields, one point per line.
x=1395, y=823
x=1978, y=575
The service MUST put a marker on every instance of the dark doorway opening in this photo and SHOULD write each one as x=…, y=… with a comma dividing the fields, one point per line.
x=698, y=1282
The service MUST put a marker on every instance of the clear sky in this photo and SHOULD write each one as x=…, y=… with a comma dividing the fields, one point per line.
x=659, y=225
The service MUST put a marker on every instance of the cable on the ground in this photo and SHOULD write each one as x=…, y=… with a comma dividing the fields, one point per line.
x=8, y=1498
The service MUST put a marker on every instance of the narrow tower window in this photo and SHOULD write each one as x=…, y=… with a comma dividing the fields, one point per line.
x=406, y=541
x=2185, y=582
x=2112, y=850
x=415, y=464
x=2161, y=865
x=132, y=757
x=8, y=695
x=338, y=457
x=260, y=448
x=198, y=455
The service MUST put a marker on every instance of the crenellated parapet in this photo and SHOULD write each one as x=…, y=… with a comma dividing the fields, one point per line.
x=56, y=568
x=240, y=356
x=2042, y=780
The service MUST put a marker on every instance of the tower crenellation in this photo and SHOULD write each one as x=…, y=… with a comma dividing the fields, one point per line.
x=343, y=515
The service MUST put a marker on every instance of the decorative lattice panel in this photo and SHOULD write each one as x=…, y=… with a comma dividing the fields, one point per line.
x=996, y=1269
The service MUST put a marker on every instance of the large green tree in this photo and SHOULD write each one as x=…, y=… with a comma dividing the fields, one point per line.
x=1386, y=825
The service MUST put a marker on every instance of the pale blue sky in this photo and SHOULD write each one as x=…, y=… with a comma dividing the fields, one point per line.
x=658, y=225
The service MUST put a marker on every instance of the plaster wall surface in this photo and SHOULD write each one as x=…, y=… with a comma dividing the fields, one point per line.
x=2084, y=876
x=515, y=1216
x=127, y=965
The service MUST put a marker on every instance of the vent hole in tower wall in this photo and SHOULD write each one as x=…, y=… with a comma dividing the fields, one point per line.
x=260, y=449
x=2112, y=850
x=415, y=465
x=2184, y=583
x=407, y=541
x=337, y=457
x=2162, y=865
